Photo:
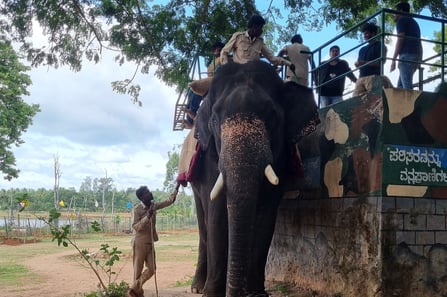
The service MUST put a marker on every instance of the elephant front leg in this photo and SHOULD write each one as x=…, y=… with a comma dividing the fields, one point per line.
x=217, y=248
x=265, y=222
x=199, y=279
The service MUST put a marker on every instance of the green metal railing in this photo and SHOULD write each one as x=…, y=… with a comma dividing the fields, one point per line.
x=381, y=19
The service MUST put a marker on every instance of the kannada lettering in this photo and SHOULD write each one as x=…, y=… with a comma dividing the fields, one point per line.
x=413, y=177
x=415, y=165
x=421, y=156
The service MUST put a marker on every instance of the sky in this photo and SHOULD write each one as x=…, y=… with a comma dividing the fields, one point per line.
x=95, y=132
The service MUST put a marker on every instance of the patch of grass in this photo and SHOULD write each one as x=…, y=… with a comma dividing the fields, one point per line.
x=14, y=274
x=282, y=288
x=184, y=283
x=177, y=247
x=10, y=271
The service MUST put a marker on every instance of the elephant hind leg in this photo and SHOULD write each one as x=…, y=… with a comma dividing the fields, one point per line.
x=198, y=282
x=196, y=289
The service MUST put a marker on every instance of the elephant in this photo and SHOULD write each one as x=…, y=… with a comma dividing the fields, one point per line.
x=246, y=126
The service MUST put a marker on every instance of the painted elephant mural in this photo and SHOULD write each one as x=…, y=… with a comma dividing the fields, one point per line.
x=246, y=126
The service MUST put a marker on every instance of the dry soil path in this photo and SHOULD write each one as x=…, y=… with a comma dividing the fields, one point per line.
x=63, y=277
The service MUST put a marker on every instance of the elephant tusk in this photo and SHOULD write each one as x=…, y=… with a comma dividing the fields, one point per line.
x=217, y=187
x=271, y=175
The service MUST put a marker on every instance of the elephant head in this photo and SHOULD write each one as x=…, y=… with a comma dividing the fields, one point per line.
x=249, y=119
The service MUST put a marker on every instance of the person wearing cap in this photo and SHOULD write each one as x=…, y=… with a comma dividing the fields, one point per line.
x=144, y=236
x=299, y=55
x=370, y=52
x=249, y=46
x=408, y=46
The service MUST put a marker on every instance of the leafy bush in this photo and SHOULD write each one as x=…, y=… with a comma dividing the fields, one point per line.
x=103, y=269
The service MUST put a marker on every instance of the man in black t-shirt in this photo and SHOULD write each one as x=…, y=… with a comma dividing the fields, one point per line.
x=408, y=47
x=332, y=75
x=370, y=52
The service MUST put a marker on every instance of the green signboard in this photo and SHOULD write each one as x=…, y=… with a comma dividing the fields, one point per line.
x=414, y=165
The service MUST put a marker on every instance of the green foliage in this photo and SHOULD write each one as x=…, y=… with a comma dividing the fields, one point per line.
x=117, y=290
x=167, y=35
x=42, y=200
x=15, y=114
x=113, y=290
x=11, y=271
x=282, y=288
x=96, y=227
x=184, y=283
x=170, y=183
x=439, y=48
x=106, y=288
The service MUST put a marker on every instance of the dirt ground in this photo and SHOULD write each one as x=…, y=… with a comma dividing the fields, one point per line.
x=61, y=276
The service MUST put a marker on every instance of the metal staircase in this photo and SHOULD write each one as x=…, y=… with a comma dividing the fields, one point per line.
x=182, y=100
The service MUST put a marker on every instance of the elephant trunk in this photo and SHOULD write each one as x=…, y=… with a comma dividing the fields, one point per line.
x=244, y=155
x=238, y=250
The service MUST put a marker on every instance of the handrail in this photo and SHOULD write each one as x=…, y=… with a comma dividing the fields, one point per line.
x=195, y=73
x=182, y=99
x=383, y=35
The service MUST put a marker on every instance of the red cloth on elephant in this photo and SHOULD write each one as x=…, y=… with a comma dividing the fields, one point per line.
x=184, y=177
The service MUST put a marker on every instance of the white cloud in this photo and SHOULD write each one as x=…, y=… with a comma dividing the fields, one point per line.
x=94, y=130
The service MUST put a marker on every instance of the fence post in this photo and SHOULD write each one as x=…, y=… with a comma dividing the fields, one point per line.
x=6, y=227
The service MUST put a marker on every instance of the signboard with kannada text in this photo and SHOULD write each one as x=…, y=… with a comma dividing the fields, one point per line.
x=414, y=165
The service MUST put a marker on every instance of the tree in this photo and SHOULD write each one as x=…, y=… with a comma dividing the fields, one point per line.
x=439, y=48
x=15, y=114
x=86, y=191
x=166, y=35
x=170, y=183
x=103, y=185
x=57, y=178
x=184, y=203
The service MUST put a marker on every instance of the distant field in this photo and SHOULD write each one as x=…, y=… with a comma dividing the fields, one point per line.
x=64, y=214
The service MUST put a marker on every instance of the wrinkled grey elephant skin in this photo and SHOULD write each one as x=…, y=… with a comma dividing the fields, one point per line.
x=249, y=119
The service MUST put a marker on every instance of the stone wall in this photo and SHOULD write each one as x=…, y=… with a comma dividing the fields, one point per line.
x=370, y=216
x=414, y=246
x=330, y=246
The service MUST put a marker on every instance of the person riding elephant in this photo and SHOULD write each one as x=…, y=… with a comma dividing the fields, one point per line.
x=245, y=127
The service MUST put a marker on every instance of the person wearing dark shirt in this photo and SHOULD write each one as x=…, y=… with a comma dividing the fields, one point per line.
x=370, y=52
x=408, y=46
x=332, y=92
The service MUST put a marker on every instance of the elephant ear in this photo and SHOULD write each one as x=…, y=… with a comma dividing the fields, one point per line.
x=202, y=131
x=301, y=111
